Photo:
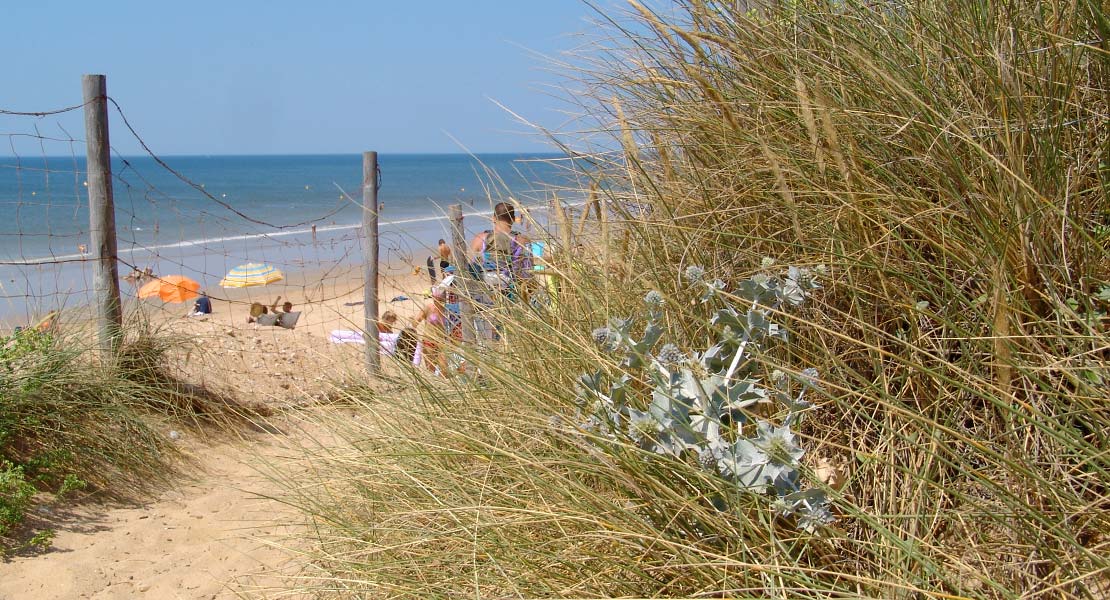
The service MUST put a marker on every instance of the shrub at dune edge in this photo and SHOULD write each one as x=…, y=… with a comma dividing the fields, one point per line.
x=70, y=424
x=854, y=288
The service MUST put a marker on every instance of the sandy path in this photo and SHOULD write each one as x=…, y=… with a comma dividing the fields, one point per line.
x=214, y=536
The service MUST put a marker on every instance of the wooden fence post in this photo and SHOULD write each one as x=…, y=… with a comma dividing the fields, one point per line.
x=370, y=261
x=102, y=214
x=462, y=277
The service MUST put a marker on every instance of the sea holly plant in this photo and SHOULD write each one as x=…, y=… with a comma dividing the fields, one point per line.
x=699, y=403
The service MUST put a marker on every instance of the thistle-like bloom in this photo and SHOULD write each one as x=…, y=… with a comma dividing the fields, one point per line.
x=695, y=273
x=809, y=377
x=811, y=519
x=670, y=355
x=778, y=444
x=641, y=425
x=606, y=338
x=653, y=299
x=707, y=460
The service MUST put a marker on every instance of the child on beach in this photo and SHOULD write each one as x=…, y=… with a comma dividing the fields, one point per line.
x=256, y=310
x=387, y=339
x=434, y=317
x=444, y=254
x=387, y=322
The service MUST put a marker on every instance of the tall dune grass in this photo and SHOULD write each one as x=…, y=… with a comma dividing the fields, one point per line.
x=947, y=162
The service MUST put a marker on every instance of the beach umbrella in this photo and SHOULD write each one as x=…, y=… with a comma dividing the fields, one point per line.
x=251, y=274
x=171, y=288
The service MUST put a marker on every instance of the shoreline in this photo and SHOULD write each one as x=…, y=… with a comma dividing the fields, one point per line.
x=65, y=282
x=330, y=228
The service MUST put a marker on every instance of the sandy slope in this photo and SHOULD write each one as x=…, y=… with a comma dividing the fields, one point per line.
x=213, y=536
x=209, y=537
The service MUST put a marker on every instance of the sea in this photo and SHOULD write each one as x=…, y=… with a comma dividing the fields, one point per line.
x=202, y=215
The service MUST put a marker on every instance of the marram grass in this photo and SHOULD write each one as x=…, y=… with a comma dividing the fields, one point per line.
x=73, y=422
x=946, y=162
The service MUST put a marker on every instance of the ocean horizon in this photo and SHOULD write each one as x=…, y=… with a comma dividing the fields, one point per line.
x=207, y=213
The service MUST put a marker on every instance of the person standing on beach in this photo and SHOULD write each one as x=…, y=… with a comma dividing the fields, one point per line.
x=444, y=254
x=503, y=254
x=444, y=261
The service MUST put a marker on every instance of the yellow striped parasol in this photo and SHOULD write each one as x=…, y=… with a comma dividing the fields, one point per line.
x=251, y=274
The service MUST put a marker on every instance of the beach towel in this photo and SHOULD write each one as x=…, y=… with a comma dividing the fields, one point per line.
x=387, y=342
x=345, y=336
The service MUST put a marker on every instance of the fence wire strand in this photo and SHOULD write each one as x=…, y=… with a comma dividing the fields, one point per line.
x=170, y=221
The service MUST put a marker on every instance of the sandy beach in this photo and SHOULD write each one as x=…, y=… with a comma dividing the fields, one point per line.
x=219, y=533
x=279, y=366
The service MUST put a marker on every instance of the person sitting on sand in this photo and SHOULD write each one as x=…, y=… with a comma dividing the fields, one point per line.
x=285, y=308
x=387, y=322
x=47, y=324
x=387, y=339
x=203, y=306
x=257, y=310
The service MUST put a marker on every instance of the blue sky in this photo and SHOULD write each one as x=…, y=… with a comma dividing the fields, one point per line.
x=286, y=77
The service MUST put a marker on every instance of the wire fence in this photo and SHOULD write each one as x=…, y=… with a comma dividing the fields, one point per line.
x=201, y=218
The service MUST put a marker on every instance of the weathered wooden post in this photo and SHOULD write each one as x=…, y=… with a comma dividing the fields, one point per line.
x=102, y=214
x=370, y=260
x=462, y=279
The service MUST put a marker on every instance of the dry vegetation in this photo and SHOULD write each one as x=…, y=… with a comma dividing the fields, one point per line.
x=947, y=162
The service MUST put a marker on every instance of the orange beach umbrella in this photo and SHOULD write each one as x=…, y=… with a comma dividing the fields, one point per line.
x=171, y=288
